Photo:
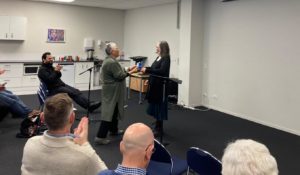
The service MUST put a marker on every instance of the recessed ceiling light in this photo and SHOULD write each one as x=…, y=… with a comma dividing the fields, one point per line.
x=63, y=0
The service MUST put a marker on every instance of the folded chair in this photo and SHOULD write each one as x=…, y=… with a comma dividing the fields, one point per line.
x=162, y=163
x=202, y=162
x=42, y=93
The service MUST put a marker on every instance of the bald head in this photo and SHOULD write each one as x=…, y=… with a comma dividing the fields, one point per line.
x=137, y=146
x=137, y=135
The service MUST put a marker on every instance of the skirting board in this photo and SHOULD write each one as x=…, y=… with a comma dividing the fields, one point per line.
x=254, y=120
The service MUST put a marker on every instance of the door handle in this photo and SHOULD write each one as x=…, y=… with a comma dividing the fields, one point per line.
x=6, y=35
x=12, y=35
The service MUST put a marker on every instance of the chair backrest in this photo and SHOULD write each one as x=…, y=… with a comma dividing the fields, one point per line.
x=161, y=154
x=202, y=162
x=42, y=93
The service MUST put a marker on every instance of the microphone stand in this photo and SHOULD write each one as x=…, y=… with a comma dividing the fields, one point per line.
x=165, y=80
x=89, y=91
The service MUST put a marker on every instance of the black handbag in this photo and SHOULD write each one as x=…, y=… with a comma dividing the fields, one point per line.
x=31, y=127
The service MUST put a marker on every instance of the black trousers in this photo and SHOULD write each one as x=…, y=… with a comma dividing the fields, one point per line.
x=106, y=126
x=4, y=110
x=74, y=93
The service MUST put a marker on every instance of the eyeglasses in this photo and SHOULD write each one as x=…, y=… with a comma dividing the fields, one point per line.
x=153, y=150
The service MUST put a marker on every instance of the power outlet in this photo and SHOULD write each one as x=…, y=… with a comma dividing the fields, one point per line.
x=215, y=96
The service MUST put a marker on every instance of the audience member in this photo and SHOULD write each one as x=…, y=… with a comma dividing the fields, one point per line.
x=248, y=157
x=136, y=147
x=51, y=77
x=14, y=103
x=59, y=151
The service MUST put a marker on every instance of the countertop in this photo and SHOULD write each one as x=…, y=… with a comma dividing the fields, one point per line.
x=62, y=62
x=40, y=62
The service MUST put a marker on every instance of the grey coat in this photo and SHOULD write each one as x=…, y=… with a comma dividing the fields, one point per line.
x=113, y=88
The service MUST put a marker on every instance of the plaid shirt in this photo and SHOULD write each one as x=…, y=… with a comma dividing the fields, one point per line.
x=130, y=171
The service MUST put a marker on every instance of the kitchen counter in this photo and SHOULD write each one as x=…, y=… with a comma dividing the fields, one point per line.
x=35, y=61
x=39, y=61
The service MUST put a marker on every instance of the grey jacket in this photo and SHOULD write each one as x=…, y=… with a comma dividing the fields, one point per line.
x=113, y=88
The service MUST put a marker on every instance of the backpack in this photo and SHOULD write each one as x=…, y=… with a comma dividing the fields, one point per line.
x=31, y=127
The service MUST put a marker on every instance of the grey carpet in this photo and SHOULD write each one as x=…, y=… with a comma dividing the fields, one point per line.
x=210, y=130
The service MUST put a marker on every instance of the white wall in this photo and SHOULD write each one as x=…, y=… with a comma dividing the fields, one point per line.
x=144, y=27
x=79, y=22
x=197, y=31
x=251, y=50
x=185, y=51
x=190, y=52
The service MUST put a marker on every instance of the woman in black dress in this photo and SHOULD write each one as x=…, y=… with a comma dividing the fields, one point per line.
x=158, y=106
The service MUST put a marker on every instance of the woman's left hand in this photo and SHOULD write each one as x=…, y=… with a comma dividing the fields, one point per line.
x=143, y=70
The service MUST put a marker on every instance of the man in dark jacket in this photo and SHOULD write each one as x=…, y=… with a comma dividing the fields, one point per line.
x=51, y=77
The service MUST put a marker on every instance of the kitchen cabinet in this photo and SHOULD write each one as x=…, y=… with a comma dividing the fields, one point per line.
x=13, y=74
x=30, y=80
x=13, y=27
x=83, y=78
x=12, y=69
x=21, y=82
x=67, y=74
x=124, y=63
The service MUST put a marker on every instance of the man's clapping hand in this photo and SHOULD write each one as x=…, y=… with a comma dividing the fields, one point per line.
x=58, y=67
x=81, y=132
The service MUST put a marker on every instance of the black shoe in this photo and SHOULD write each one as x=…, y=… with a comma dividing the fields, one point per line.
x=94, y=106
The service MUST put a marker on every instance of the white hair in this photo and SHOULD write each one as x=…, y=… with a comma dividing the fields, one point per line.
x=248, y=157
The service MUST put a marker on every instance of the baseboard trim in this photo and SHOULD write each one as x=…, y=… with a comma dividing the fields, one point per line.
x=272, y=125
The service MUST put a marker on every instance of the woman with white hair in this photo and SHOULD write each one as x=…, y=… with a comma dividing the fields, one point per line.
x=248, y=157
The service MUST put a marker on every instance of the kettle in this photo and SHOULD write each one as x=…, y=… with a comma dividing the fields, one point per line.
x=90, y=54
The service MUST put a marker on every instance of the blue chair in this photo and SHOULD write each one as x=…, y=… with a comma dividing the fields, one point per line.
x=162, y=163
x=42, y=93
x=202, y=162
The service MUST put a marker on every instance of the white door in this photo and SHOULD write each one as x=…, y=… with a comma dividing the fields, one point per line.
x=4, y=27
x=17, y=28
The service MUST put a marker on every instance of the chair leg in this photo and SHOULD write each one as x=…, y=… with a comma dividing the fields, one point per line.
x=187, y=171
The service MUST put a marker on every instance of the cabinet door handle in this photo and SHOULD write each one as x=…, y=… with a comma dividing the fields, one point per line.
x=6, y=35
x=12, y=35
